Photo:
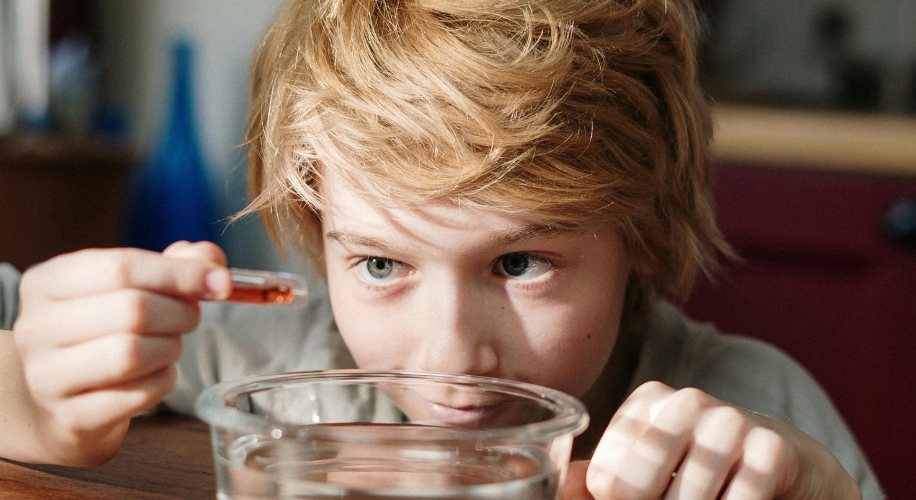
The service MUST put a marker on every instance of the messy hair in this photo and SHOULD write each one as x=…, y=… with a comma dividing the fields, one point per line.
x=578, y=113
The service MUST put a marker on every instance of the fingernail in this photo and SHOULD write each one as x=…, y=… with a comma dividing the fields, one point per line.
x=218, y=283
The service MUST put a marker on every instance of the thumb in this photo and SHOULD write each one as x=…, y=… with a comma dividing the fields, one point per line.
x=574, y=488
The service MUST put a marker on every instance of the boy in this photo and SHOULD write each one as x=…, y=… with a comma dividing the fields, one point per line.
x=499, y=188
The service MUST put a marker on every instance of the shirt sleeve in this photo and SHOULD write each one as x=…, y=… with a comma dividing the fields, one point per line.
x=787, y=392
x=9, y=295
x=752, y=375
x=238, y=340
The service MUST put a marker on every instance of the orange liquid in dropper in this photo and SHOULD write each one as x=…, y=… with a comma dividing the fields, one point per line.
x=271, y=295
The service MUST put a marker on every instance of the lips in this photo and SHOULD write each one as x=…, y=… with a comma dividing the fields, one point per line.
x=464, y=415
x=465, y=406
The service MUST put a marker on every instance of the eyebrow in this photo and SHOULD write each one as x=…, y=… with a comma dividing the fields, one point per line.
x=359, y=240
x=528, y=232
x=506, y=238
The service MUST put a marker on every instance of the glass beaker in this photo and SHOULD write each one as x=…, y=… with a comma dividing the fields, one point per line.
x=359, y=434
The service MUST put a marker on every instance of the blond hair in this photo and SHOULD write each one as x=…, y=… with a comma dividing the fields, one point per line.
x=578, y=113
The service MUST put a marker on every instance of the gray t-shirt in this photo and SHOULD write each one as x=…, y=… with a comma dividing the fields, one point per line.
x=9, y=305
x=749, y=374
x=235, y=340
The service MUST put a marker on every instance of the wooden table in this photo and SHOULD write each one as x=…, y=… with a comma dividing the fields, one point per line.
x=163, y=457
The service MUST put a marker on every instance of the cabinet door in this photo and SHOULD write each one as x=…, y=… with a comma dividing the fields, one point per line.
x=822, y=281
x=58, y=196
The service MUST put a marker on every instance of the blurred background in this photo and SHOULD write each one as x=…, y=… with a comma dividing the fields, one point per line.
x=69, y=178
x=103, y=102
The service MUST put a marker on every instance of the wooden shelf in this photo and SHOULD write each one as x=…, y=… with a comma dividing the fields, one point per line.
x=832, y=141
x=19, y=152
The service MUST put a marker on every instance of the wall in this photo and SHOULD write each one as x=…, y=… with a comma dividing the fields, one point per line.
x=135, y=44
x=804, y=52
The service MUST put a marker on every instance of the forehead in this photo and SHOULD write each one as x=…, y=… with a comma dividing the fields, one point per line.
x=348, y=209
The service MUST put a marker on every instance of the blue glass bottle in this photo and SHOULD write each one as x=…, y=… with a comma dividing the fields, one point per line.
x=172, y=199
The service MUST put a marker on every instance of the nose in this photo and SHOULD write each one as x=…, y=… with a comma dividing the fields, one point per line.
x=458, y=329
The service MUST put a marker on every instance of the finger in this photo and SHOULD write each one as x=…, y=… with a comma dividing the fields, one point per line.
x=96, y=271
x=633, y=416
x=69, y=322
x=647, y=467
x=108, y=361
x=574, y=487
x=613, y=453
x=760, y=468
x=717, y=446
x=101, y=408
x=201, y=250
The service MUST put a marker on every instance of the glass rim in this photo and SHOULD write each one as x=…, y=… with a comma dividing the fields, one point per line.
x=570, y=414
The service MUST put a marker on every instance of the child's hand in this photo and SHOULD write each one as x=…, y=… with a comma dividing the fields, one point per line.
x=670, y=444
x=99, y=332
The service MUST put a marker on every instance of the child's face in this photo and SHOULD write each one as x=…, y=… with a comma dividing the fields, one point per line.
x=438, y=287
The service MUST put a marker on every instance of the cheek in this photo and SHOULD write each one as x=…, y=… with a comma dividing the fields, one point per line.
x=370, y=331
x=569, y=346
x=571, y=339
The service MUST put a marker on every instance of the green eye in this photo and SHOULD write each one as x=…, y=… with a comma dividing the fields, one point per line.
x=514, y=264
x=522, y=266
x=379, y=268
